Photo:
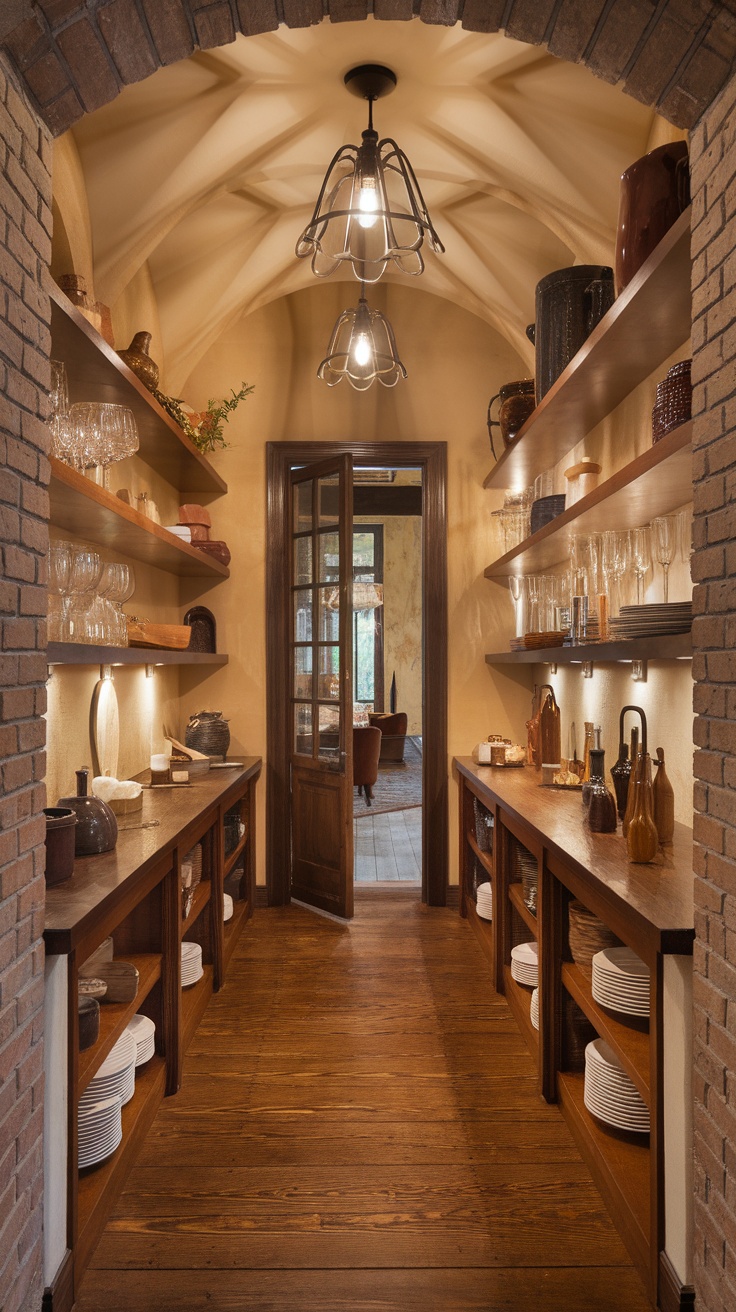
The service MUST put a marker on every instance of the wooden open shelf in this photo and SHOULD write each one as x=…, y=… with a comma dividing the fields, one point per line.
x=83, y=653
x=629, y=1042
x=485, y=858
x=519, y=1000
x=96, y=373
x=516, y=898
x=483, y=930
x=201, y=897
x=231, y=860
x=92, y=513
x=99, y=1186
x=194, y=1001
x=232, y=928
x=114, y=1016
x=619, y=1163
x=655, y=483
x=677, y=647
x=645, y=324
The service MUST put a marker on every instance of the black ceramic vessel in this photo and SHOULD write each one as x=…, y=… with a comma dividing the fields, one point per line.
x=97, y=828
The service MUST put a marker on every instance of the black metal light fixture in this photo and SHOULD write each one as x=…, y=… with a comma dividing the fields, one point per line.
x=370, y=210
x=362, y=349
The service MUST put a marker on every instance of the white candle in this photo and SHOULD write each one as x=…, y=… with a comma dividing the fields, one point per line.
x=159, y=761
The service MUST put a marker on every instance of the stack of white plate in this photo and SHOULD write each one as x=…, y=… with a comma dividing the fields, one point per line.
x=115, y=1078
x=534, y=1009
x=609, y=1093
x=191, y=964
x=621, y=981
x=484, y=901
x=100, y=1130
x=228, y=907
x=525, y=964
x=143, y=1030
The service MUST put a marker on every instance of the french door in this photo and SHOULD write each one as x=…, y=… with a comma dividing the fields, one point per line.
x=321, y=696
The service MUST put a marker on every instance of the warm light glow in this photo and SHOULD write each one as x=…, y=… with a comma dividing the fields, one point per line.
x=367, y=203
x=362, y=350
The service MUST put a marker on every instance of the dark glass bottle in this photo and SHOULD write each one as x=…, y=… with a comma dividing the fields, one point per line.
x=600, y=815
x=620, y=774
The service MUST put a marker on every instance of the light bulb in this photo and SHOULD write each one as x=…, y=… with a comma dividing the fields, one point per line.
x=362, y=351
x=367, y=202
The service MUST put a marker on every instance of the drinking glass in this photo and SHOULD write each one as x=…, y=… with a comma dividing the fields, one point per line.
x=641, y=557
x=85, y=575
x=517, y=588
x=58, y=391
x=664, y=541
x=533, y=582
x=60, y=568
x=122, y=588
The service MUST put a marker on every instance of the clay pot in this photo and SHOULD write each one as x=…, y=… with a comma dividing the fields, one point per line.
x=516, y=402
x=61, y=823
x=137, y=358
x=97, y=828
x=654, y=192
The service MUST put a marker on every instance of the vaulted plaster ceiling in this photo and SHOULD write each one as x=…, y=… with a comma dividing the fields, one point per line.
x=207, y=171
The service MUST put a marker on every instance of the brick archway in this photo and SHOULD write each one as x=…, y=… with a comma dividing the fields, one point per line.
x=74, y=56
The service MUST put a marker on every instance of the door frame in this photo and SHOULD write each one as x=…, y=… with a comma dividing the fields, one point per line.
x=431, y=458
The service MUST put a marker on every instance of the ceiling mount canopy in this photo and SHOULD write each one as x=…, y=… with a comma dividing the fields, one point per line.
x=370, y=210
x=362, y=349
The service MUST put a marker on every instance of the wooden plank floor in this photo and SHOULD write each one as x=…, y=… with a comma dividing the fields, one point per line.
x=359, y=1130
x=388, y=846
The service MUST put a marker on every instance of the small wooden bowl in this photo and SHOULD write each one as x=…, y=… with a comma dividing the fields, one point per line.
x=89, y=1022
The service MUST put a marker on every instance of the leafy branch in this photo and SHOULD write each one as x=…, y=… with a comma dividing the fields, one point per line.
x=207, y=432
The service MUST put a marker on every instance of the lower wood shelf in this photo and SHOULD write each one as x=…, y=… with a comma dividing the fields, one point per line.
x=485, y=858
x=519, y=999
x=201, y=897
x=629, y=1042
x=233, y=928
x=231, y=858
x=100, y=1185
x=483, y=930
x=194, y=1001
x=620, y=1165
x=114, y=1016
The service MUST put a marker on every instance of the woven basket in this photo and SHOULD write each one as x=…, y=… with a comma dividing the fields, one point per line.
x=587, y=935
x=483, y=826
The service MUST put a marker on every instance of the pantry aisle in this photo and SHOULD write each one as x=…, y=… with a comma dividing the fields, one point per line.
x=359, y=1129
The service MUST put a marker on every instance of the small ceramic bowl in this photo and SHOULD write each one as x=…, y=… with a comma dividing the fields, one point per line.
x=92, y=988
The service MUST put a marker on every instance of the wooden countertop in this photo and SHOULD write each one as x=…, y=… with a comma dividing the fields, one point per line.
x=101, y=883
x=655, y=899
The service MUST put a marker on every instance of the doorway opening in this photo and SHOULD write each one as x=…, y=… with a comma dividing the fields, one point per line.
x=387, y=661
x=419, y=482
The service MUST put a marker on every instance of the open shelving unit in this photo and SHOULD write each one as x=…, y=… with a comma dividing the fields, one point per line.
x=650, y=908
x=676, y=647
x=82, y=653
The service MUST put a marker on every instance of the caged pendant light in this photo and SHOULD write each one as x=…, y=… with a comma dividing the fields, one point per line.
x=370, y=210
x=362, y=349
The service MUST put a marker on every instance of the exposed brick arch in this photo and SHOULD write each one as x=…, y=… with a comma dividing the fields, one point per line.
x=75, y=55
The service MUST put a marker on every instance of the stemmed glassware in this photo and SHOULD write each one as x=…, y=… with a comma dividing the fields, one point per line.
x=87, y=596
x=102, y=434
x=641, y=557
x=123, y=587
x=517, y=588
x=664, y=541
x=60, y=569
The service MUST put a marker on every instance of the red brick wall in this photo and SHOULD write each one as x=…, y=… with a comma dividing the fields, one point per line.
x=25, y=216
x=714, y=572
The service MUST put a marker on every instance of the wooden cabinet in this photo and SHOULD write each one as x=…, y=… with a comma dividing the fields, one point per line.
x=81, y=508
x=646, y=323
x=649, y=907
x=133, y=894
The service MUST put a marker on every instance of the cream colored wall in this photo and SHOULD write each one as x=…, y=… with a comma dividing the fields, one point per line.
x=402, y=611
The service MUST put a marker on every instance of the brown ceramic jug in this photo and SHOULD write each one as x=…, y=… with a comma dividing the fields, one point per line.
x=654, y=192
x=516, y=402
x=137, y=358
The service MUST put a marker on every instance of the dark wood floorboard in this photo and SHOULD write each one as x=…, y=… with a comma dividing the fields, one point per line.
x=359, y=1130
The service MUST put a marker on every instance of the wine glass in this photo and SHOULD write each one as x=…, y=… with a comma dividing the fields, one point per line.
x=60, y=568
x=123, y=587
x=664, y=538
x=517, y=588
x=641, y=557
x=85, y=575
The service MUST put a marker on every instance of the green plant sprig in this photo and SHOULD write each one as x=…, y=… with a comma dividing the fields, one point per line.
x=208, y=434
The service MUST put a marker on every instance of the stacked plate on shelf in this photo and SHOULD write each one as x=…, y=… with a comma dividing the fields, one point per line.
x=100, y=1129
x=228, y=907
x=191, y=964
x=143, y=1031
x=525, y=964
x=484, y=901
x=534, y=1009
x=621, y=981
x=116, y=1076
x=653, y=621
x=609, y=1093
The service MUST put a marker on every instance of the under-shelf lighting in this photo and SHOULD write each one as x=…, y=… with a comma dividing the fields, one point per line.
x=587, y=669
x=149, y=671
x=106, y=672
x=639, y=671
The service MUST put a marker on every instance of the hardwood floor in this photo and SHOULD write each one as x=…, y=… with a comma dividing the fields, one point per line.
x=359, y=1130
x=388, y=846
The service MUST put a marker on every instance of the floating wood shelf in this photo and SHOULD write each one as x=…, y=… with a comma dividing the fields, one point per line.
x=97, y=373
x=94, y=514
x=645, y=324
x=655, y=483
x=677, y=647
x=82, y=653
